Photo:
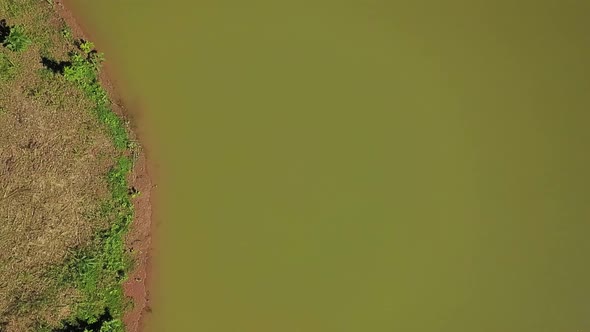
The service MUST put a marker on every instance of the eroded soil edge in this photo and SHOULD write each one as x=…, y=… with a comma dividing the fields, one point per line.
x=139, y=238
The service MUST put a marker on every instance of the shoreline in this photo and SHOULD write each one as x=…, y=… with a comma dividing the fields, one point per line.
x=139, y=238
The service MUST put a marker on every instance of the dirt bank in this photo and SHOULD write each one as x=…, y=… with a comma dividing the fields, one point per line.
x=139, y=239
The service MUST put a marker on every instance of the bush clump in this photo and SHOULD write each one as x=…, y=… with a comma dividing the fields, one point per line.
x=16, y=40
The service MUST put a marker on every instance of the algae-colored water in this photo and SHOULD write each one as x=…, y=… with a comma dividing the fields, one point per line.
x=363, y=166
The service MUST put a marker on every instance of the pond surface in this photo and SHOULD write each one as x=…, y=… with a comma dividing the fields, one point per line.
x=363, y=166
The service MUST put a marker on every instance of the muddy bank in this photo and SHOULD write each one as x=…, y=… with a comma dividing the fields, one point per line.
x=139, y=240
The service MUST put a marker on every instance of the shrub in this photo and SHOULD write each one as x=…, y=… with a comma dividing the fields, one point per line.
x=86, y=46
x=16, y=40
x=80, y=72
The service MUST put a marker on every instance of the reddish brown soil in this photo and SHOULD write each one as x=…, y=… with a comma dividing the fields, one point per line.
x=139, y=242
x=139, y=238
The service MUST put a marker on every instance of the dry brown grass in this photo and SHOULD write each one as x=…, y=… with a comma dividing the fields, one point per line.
x=53, y=158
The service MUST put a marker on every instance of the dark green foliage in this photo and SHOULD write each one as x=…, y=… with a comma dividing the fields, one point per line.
x=17, y=41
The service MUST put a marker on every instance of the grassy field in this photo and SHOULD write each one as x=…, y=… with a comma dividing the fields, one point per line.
x=65, y=203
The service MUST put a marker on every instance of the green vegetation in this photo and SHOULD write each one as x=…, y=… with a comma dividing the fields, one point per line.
x=6, y=67
x=86, y=46
x=17, y=41
x=83, y=71
x=66, y=32
x=99, y=270
x=74, y=203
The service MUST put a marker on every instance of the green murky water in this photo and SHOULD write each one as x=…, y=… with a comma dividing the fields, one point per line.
x=366, y=166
